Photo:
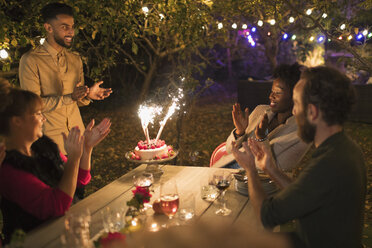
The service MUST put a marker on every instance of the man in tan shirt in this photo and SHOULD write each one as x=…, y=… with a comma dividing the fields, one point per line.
x=56, y=74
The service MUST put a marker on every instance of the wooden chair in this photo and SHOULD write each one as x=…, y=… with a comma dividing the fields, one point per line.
x=218, y=153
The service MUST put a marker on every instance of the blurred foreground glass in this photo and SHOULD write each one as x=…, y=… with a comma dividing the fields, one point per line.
x=208, y=191
x=222, y=180
x=77, y=230
x=187, y=206
x=169, y=199
x=112, y=219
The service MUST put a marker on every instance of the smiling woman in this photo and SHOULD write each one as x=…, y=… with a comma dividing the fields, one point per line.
x=37, y=182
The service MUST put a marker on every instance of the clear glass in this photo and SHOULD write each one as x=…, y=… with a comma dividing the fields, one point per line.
x=144, y=179
x=222, y=180
x=169, y=199
x=187, y=206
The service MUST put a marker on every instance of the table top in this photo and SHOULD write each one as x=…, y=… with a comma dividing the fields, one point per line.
x=117, y=193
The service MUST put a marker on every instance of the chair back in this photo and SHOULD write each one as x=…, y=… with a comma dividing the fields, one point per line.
x=218, y=153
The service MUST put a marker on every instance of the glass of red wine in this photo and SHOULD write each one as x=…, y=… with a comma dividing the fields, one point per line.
x=169, y=199
x=222, y=180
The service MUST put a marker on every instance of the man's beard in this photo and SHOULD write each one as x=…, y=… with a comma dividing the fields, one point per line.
x=61, y=42
x=306, y=131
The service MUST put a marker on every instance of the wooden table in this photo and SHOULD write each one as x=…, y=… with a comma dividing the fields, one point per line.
x=117, y=193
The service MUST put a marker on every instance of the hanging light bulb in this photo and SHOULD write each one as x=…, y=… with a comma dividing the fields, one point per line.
x=42, y=40
x=253, y=29
x=260, y=23
x=285, y=36
x=3, y=54
x=360, y=36
x=220, y=25
x=369, y=35
x=145, y=10
x=324, y=15
x=309, y=11
x=320, y=39
x=272, y=22
x=291, y=19
x=268, y=33
x=349, y=37
x=342, y=26
x=365, y=32
x=244, y=26
x=340, y=37
x=294, y=37
x=311, y=38
x=234, y=26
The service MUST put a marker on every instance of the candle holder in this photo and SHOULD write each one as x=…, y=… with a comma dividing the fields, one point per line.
x=153, y=165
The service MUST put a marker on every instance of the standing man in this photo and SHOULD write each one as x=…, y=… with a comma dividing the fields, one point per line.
x=327, y=199
x=56, y=74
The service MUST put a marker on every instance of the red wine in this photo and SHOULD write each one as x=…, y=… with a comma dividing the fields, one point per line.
x=223, y=184
x=169, y=204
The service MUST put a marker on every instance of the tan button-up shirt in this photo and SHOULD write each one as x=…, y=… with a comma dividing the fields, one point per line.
x=53, y=76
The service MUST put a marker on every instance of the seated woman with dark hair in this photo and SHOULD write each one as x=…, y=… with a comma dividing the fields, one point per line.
x=271, y=123
x=37, y=182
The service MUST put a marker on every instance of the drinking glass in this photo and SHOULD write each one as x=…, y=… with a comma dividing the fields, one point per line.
x=169, y=199
x=144, y=179
x=187, y=206
x=222, y=180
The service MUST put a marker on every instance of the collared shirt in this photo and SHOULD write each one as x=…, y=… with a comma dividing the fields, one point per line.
x=327, y=199
x=42, y=72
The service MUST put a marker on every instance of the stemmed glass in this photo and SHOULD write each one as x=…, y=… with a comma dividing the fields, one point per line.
x=222, y=180
x=169, y=199
x=145, y=179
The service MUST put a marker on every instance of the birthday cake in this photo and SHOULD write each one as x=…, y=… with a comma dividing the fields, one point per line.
x=153, y=151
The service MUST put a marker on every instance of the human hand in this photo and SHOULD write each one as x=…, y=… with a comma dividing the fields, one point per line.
x=2, y=153
x=244, y=158
x=80, y=91
x=94, y=135
x=98, y=93
x=261, y=128
x=73, y=143
x=262, y=154
x=240, y=120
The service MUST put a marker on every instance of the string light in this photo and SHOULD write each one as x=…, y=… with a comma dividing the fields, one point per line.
x=268, y=33
x=365, y=32
x=244, y=26
x=340, y=38
x=312, y=38
x=253, y=29
x=42, y=40
x=369, y=35
x=360, y=36
x=3, y=54
x=329, y=40
x=349, y=37
x=260, y=23
x=161, y=16
x=320, y=39
x=291, y=19
x=272, y=22
x=220, y=25
x=309, y=11
x=145, y=10
x=324, y=15
x=343, y=26
x=285, y=36
x=234, y=26
x=294, y=37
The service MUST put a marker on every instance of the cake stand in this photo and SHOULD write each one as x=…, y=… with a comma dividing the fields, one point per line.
x=153, y=164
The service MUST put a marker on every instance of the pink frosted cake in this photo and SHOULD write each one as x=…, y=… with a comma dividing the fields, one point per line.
x=153, y=151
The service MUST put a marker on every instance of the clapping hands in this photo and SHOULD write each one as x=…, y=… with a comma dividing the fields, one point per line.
x=95, y=134
x=98, y=93
x=241, y=120
x=73, y=143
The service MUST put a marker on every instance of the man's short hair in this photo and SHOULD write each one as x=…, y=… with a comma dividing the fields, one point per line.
x=288, y=74
x=330, y=91
x=50, y=11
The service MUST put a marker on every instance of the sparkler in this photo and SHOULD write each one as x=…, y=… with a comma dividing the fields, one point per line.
x=147, y=115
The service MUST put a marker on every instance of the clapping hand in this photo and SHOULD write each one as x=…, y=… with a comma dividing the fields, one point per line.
x=98, y=93
x=261, y=128
x=95, y=134
x=73, y=143
x=244, y=158
x=80, y=91
x=262, y=154
x=241, y=120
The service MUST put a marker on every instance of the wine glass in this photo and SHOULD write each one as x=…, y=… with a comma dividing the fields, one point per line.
x=144, y=179
x=169, y=199
x=222, y=180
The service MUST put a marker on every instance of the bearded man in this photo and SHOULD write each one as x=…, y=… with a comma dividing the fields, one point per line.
x=56, y=74
x=327, y=198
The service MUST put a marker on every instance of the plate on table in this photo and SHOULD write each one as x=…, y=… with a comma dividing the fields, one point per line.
x=151, y=161
x=241, y=185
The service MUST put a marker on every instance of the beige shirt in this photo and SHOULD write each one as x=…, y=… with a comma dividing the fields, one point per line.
x=287, y=147
x=53, y=76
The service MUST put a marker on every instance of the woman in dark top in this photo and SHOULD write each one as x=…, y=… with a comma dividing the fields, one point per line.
x=37, y=182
